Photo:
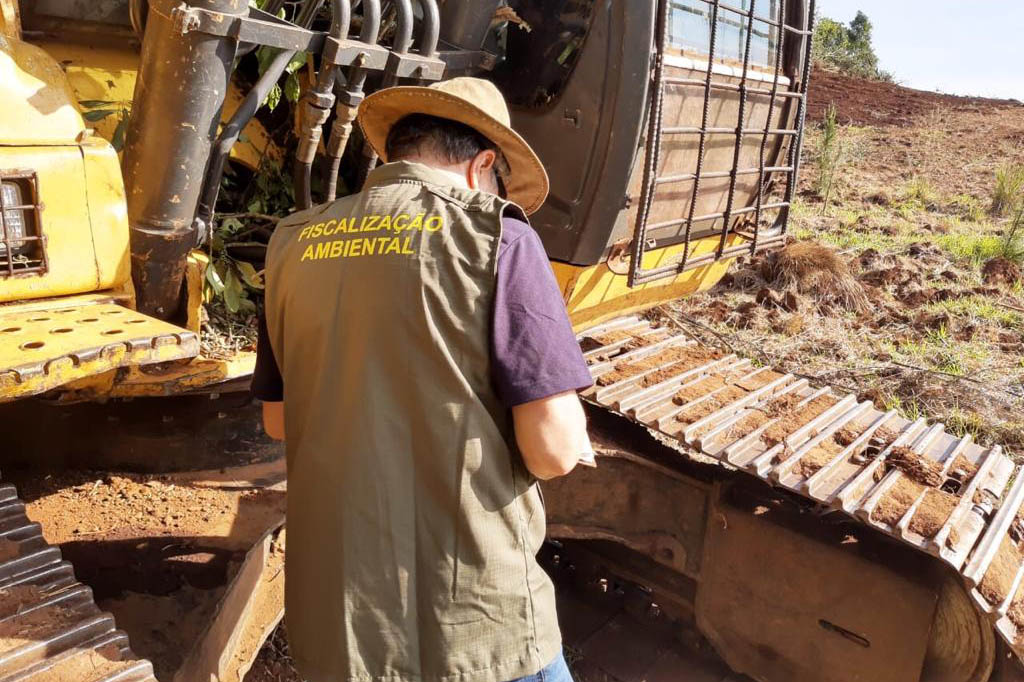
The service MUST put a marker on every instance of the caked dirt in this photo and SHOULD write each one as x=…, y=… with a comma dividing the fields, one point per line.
x=156, y=550
x=659, y=366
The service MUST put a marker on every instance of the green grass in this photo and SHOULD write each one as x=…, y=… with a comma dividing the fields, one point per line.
x=908, y=409
x=1008, y=192
x=939, y=351
x=979, y=307
x=976, y=248
x=921, y=192
x=967, y=207
x=962, y=423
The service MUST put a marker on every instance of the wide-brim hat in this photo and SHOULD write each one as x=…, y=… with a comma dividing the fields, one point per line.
x=474, y=102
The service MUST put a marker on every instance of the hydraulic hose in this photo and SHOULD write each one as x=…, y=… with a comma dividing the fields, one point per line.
x=403, y=42
x=316, y=109
x=246, y=110
x=137, y=11
x=348, y=98
x=431, y=31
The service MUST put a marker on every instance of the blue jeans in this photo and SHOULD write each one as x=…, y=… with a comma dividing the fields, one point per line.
x=555, y=671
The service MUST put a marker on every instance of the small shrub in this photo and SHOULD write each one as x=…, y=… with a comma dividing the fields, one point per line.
x=1008, y=193
x=830, y=156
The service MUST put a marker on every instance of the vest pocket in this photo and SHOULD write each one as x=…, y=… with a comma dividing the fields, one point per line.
x=473, y=596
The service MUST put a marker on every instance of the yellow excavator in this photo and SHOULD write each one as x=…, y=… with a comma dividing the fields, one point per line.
x=741, y=522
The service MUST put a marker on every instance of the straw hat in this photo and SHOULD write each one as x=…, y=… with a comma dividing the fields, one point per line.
x=474, y=102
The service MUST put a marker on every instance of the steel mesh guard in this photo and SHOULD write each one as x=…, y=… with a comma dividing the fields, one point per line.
x=793, y=25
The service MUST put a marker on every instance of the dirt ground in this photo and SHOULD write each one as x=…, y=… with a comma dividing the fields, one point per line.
x=868, y=102
x=156, y=550
x=896, y=290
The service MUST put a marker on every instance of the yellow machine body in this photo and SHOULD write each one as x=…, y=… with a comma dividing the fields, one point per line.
x=70, y=324
x=598, y=293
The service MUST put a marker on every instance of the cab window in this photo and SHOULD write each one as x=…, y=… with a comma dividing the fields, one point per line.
x=690, y=30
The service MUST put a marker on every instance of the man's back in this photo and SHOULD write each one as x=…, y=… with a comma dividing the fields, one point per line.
x=379, y=310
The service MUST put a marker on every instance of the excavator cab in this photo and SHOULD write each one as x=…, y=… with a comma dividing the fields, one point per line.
x=691, y=143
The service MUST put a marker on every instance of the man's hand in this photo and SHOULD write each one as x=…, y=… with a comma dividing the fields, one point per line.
x=273, y=420
x=551, y=434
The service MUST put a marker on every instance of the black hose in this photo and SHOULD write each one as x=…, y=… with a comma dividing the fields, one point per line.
x=246, y=110
x=137, y=11
x=349, y=95
x=369, y=34
x=403, y=32
x=431, y=31
x=341, y=17
x=403, y=41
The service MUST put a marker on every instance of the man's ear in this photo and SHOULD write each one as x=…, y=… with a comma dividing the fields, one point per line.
x=479, y=170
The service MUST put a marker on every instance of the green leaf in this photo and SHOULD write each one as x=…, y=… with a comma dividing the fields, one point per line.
x=97, y=114
x=292, y=88
x=273, y=97
x=231, y=224
x=117, y=139
x=249, y=274
x=93, y=103
x=295, y=63
x=255, y=206
x=234, y=291
x=213, y=277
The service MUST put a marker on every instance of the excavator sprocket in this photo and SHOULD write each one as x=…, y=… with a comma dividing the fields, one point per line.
x=947, y=498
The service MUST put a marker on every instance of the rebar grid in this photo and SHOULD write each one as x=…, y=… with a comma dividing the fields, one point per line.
x=793, y=93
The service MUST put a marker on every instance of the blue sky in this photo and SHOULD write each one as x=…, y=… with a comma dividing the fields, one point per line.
x=964, y=47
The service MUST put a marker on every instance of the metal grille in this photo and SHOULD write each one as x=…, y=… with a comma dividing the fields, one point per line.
x=22, y=244
x=788, y=32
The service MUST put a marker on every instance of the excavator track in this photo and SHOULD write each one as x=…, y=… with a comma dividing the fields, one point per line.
x=50, y=628
x=943, y=495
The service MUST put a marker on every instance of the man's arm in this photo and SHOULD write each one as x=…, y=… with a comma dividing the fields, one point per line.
x=551, y=434
x=273, y=420
x=267, y=384
x=538, y=366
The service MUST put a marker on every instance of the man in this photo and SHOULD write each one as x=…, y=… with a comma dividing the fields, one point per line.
x=428, y=378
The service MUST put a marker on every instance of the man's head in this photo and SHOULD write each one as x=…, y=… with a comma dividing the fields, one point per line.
x=461, y=125
x=451, y=146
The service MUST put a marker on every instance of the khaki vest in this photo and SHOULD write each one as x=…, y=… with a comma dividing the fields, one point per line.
x=412, y=524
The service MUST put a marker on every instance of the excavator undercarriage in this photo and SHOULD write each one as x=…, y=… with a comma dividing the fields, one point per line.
x=806, y=535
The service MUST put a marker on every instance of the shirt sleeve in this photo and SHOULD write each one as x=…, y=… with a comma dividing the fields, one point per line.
x=534, y=351
x=267, y=384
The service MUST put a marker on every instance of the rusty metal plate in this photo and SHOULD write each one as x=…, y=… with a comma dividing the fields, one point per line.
x=816, y=611
x=45, y=348
x=50, y=628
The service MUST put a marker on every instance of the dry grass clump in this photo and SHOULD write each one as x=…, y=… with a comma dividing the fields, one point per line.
x=816, y=271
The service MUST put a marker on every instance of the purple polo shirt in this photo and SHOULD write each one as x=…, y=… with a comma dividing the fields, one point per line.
x=534, y=353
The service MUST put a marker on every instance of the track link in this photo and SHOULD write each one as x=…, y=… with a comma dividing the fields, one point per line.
x=50, y=628
x=943, y=495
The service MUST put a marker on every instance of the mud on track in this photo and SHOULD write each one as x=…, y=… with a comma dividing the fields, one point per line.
x=156, y=550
